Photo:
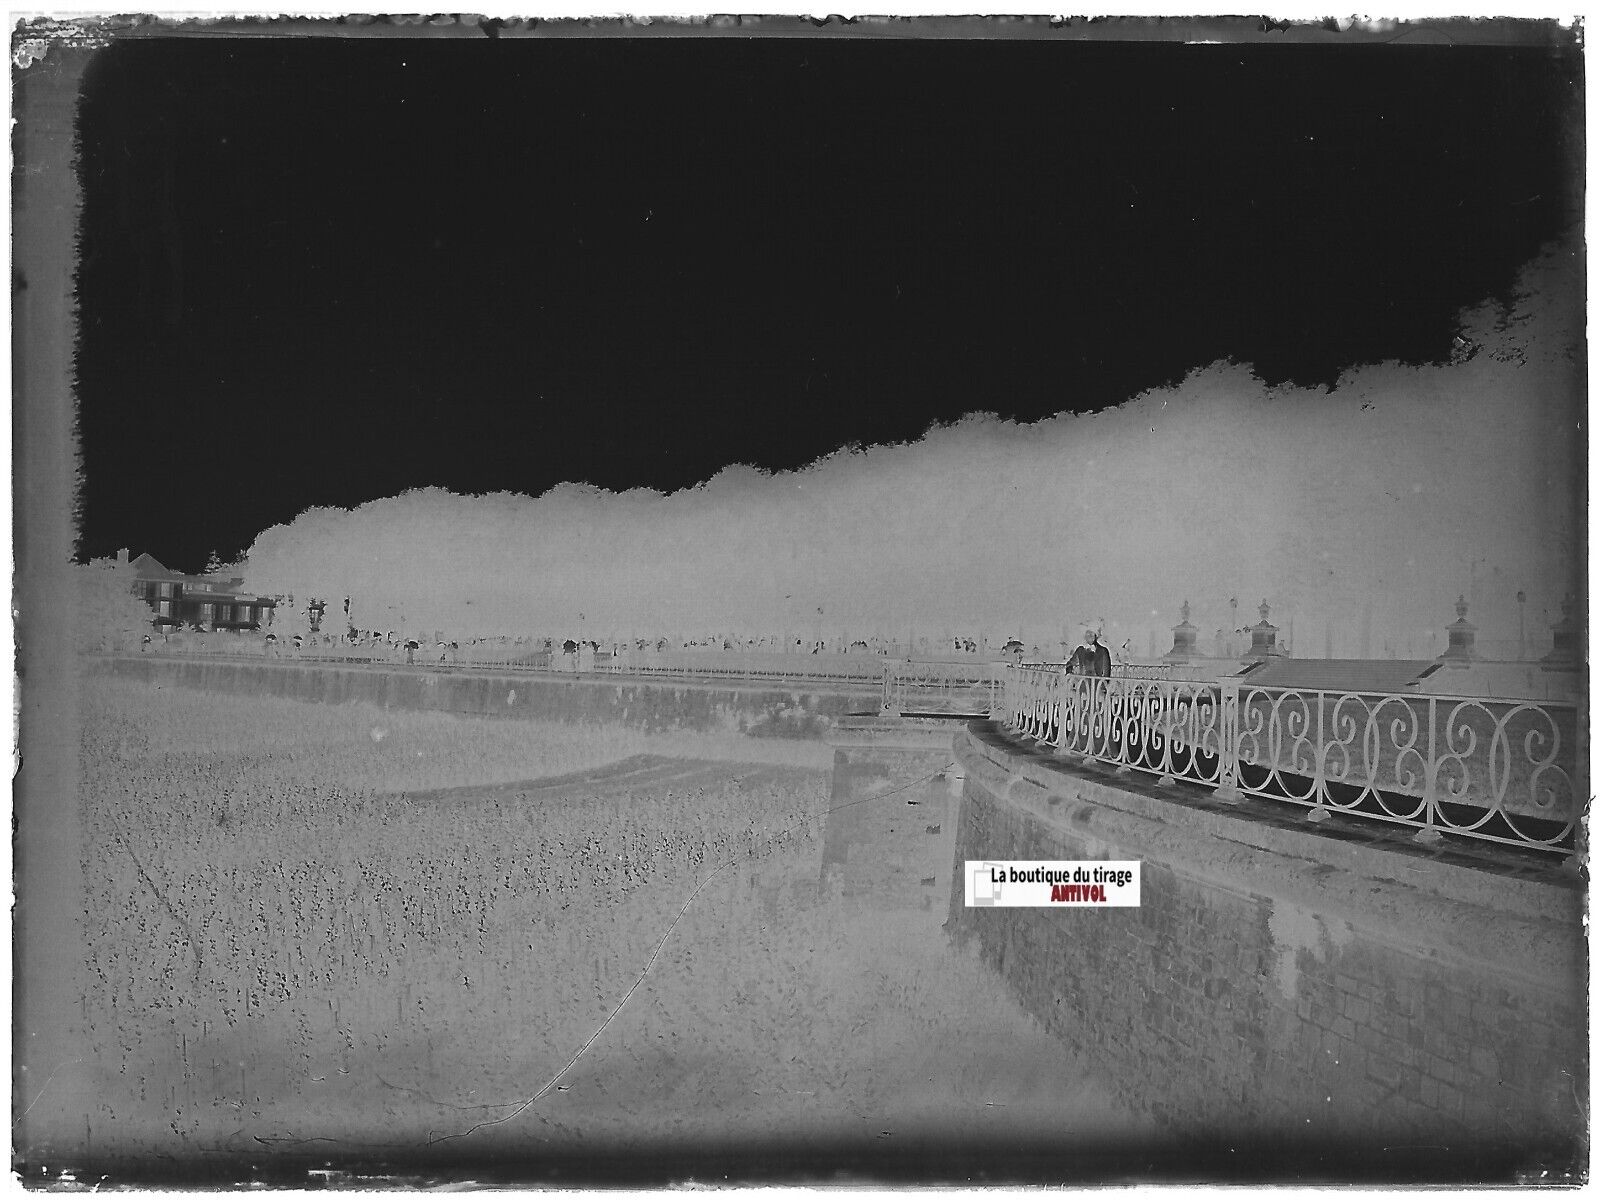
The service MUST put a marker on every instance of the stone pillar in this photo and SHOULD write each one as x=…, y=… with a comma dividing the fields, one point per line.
x=1263, y=638
x=1463, y=636
x=1567, y=637
x=1184, y=648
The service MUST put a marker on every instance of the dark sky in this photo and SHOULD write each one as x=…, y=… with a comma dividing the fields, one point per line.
x=318, y=272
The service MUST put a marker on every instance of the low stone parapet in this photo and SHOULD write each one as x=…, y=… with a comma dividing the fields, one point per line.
x=763, y=710
x=1284, y=982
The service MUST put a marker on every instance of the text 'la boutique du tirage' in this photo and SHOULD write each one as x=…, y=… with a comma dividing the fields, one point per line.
x=1047, y=883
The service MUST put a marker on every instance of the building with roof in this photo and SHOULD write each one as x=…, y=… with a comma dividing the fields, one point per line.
x=1340, y=675
x=1460, y=671
x=179, y=599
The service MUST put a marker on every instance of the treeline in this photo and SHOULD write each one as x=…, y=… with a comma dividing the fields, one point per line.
x=1368, y=507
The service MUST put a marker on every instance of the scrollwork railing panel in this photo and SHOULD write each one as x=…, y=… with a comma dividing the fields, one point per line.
x=1501, y=770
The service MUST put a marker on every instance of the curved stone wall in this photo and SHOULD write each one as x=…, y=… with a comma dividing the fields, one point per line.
x=1282, y=985
x=759, y=710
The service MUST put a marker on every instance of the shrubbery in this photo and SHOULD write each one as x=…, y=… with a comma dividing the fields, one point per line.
x=106, y=616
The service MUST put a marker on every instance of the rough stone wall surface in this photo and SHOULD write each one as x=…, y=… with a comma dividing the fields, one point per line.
x=1264, y=990
x=648, y=705
x=890, y=829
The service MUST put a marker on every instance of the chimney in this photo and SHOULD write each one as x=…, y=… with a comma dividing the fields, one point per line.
x=122, y=555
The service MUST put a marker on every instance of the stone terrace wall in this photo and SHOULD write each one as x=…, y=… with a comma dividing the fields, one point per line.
x=891, y=824
x=762, y=711
x=1279, y=985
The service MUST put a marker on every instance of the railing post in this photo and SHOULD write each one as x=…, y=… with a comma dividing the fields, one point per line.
x=1054, y=691
x=1167, y=700
x=1319, y=782
x=1028, y=696
x=1578, y=861
x=1228, y=753
x=1430, y=784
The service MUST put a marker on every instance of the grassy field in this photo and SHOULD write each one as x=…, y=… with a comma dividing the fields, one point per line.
x=337, y=930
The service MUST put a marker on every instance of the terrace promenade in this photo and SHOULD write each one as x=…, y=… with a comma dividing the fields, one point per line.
x=1510, y=771
x=746, y=702
x=952, y=688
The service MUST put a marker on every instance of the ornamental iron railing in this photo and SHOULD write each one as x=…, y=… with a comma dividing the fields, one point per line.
x=1505, y=771
x=943, y=688
x=1139, y=670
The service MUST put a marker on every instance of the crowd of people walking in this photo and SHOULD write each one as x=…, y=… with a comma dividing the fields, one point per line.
x=1090, y=658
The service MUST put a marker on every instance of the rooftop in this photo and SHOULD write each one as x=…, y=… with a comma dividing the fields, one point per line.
x=148, y=567
x=1341, y=675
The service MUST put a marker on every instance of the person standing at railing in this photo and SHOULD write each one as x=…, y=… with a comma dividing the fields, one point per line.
x=1091, y=658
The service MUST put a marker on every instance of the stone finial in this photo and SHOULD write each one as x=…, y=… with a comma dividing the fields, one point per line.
x=1263, y=637
x=1184, y=636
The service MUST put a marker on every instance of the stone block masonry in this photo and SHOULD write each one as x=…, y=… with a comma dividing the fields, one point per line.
x=1280, y=986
